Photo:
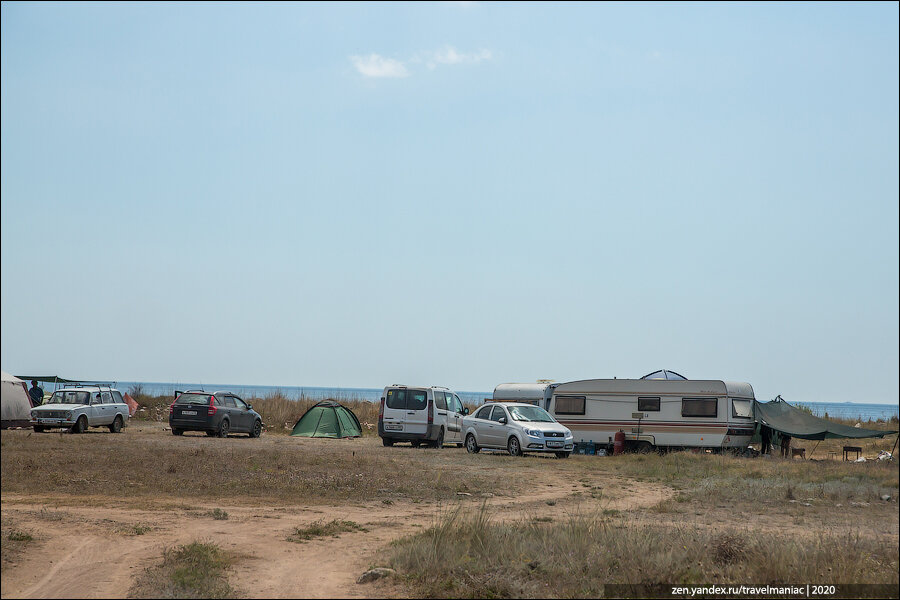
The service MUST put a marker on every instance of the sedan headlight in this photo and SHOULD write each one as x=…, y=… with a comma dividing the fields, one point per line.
x=533, y=432
x=568, y=433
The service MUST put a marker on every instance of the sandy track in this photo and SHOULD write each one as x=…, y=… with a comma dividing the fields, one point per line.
x=91, y=551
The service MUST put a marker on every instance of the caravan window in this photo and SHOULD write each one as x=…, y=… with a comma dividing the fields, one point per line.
x=569, y=405
x=741, y=408
x=648, y=404
x=699, y=407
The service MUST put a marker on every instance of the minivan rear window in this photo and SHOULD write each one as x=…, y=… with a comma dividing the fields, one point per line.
x=417, y=400
x=396, y=399
x=192, y=399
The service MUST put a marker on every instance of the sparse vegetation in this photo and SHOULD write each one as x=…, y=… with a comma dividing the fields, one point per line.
x=317, y=529
x=136, y=529
x=476, y=557
x=196, y=570
x=218, y=514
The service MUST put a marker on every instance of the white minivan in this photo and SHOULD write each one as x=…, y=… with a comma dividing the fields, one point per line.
x=432, y=415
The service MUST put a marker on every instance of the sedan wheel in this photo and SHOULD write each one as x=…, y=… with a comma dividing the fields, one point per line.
x=116, y=426
x=513, y=446
x=224, y=426
x=80, y=425
x=257, y=429
x=472, y=445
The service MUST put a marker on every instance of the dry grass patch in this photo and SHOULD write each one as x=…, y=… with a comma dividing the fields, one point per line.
x=276, y=470
x=14, y=542
x=196, y=570
x=477, y=557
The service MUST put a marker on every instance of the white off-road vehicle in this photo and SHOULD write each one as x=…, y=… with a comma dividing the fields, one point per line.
x=77, y=408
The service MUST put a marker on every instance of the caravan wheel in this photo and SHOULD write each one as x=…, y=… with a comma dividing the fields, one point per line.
x=644, y=447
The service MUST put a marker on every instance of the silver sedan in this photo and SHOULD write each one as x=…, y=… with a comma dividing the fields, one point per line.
x=517, y=428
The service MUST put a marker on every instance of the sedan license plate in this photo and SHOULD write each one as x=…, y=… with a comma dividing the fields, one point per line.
x=189, y=412
x=393, y=427
x=554, y=444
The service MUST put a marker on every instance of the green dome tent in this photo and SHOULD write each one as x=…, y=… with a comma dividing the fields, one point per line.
x=328, y=419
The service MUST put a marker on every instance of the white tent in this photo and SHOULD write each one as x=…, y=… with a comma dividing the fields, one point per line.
x=15, y=406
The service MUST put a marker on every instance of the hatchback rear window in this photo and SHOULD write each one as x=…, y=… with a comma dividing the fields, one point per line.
x=193, y=399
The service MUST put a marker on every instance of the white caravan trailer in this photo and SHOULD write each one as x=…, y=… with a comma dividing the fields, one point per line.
x=657, y=412
x=532, y=393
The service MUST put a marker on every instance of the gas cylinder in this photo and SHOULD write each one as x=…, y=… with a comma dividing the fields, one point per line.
x=619, y=443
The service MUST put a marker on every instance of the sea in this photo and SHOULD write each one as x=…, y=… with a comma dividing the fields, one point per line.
x=841, y=410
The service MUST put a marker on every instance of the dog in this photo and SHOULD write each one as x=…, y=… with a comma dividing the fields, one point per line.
x=801, y=452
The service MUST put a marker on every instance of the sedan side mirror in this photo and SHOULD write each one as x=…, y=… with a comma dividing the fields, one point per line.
x=249, y=406
x=502, y=420
x=465, y=411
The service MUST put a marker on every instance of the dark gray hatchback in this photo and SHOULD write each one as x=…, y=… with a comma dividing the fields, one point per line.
x=218, y=414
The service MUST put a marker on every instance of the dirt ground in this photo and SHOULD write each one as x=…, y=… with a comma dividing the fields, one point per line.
x=94, y=546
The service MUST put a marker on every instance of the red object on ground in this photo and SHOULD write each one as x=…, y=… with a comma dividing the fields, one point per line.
x=619, y=443
x=132, y=405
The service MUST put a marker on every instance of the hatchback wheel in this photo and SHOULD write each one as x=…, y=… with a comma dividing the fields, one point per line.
x=471, y=444
x=177, y=431
x=257, y=429
x=38, y=428
x=513, y=446
x=224, y=426
x=562, y=455
x=116, y=425
x=386, y=441
x=211, y=433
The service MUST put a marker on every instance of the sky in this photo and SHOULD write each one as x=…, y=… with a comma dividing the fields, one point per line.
x=452, y=193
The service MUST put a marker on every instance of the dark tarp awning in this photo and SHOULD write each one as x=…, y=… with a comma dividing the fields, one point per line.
x=784, y=418
x=55, y=379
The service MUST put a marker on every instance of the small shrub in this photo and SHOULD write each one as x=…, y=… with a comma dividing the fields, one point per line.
x=19, y=536
x=322, y=529
x=218, y=514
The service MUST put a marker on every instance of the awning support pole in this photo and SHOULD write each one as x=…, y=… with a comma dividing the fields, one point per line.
x=814, y=449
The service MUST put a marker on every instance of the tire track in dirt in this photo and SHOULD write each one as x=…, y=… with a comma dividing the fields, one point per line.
x=100, y=561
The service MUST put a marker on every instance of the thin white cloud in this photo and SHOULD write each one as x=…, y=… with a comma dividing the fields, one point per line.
x=450, y=56
x=374, y=65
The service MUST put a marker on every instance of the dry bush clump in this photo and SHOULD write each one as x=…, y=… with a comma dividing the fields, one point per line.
x=195, y=570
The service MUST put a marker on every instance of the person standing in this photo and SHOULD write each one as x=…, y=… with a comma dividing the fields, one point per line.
x=36, y=393
x=766, y=435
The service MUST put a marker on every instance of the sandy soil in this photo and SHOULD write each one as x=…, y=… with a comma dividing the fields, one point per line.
x=91, y=551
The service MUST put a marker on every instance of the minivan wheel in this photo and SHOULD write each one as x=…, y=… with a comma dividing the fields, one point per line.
x=116, y=425
x=387, y=442
x=471, y=444
x=257, y=429
x=80, y=425
x=415, y=443
x=439, y=443
x=513, y=446
x=177, y=431
x=224, y=426
x=38, y=428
